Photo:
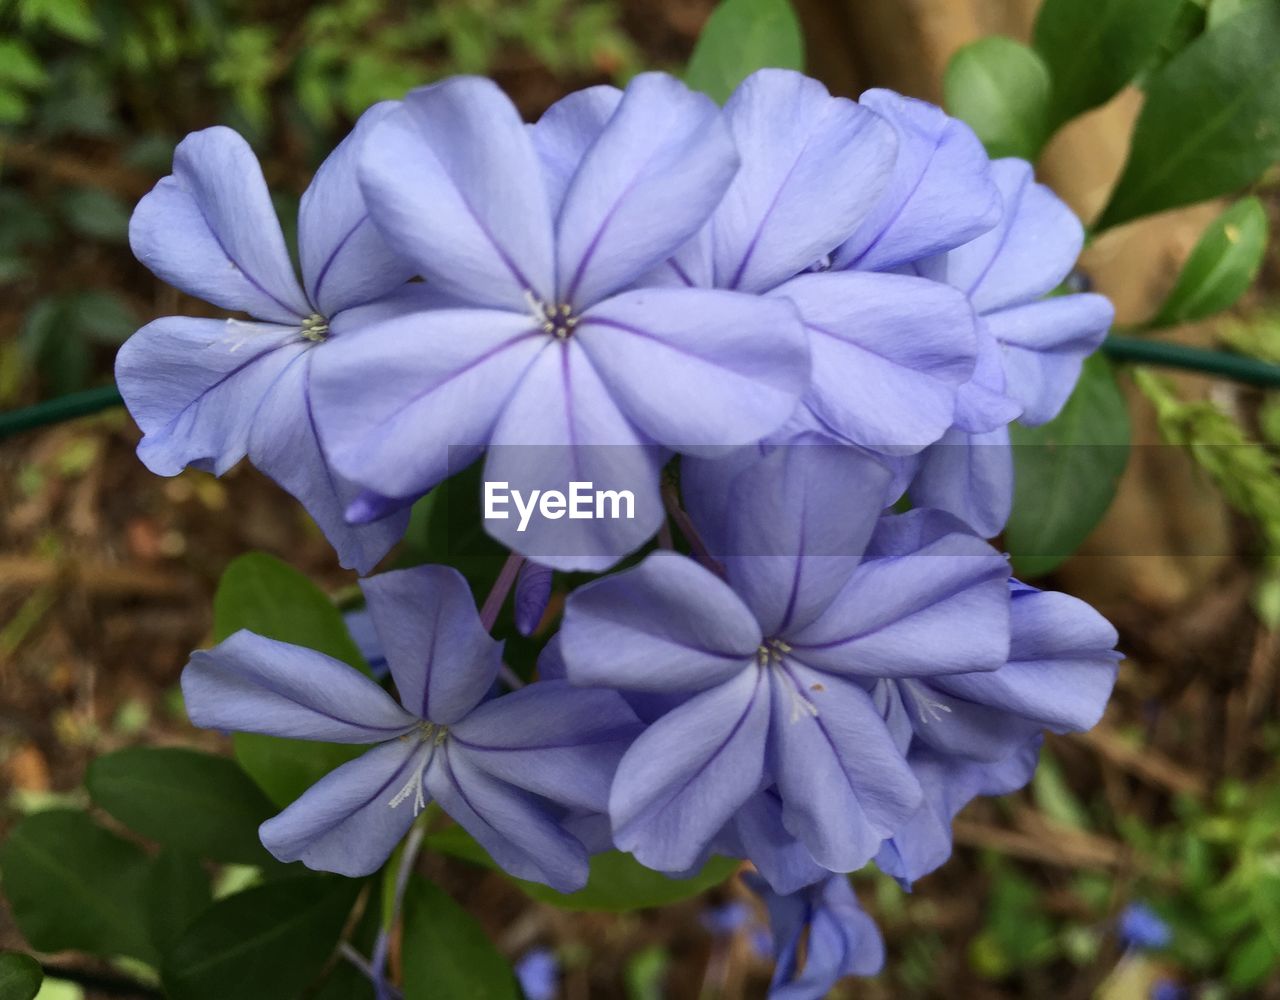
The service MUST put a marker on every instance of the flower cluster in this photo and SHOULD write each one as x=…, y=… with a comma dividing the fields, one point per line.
x=823, y=307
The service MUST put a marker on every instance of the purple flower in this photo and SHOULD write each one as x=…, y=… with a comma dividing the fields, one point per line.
x=841, y=940
x=1035, y=346
x=495, y=766
x=979, y=734
x=533, y=594
x=206, y=392
x=770, y=669
x=950, y=783
x=538, y=973
x=1059, y=675
x=889, y=351
x=550, y=356
x=1141, y=927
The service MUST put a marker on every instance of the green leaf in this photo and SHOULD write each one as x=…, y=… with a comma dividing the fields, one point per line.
x=266, y=943
x=1066, y=472
x=20, y=66
x=1211, y=121
x=70, y=18
x=73, y=885
x=187, y=799
x=1223, y=10
x=617, y=883
x=1094, y=47
x=1222, y=266
x=20, y=976
x=446, y=954
x=177, y=891
x=96, y=214
x=1001, y=89
x=260, y=593
x=740, y=37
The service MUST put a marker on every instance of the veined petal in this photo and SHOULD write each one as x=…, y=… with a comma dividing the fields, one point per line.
x=647, y=184
x=949, y=784
x=566, y=131
x=404, y=404
x=688, y=773
x=1062, y=664
x=943, y=608
x=512, y=825
x=844, y=786
x=193, y=386
x=668, y=625
x=350, y=820
x=940, y=194
x=813, y=165
x=889, y=353
x=442, y=658
x=251, y=684
x=561, y=742
x=345, y=261
x=782, y=860
x=561, y=426
x=453, y=182
x=283, y=444
x=1044, y=345
x=699, y=368
x=970, y=476
x=1026, y=255
x=798, y=519
x=209, y=229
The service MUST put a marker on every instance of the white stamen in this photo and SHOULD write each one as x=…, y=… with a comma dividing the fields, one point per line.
x=925, y=704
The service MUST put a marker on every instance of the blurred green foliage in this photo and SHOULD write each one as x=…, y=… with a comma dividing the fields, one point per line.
x=121, y=81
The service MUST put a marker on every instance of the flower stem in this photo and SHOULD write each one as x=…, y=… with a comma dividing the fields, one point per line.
x=59, y=409
x=685, y=523
x=378, y=964
x=1239, y=367
x=501, y=588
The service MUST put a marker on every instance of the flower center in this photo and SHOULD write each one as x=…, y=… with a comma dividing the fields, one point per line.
x=772, y=652
x=427, y=732
x=555, y=319
x=315, y=328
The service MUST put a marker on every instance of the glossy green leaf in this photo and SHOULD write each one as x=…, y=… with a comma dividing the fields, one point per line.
x=617, y=883
x=446, y=953
x=260, y=593
x=1211, y=120
x=267, y=596
x=1001, y=89
x=177, y=891
x=1066, y=472
x=1222, y=266
x=73, y=885
x=193, y=801
x=267, y=943
x=1221, y=11
x=740, y=37
x=1095, y=47
x=20, y=976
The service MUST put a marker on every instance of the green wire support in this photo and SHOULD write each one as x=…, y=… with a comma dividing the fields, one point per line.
x=59, y=409
x=1135, y=350
x=1238, y=367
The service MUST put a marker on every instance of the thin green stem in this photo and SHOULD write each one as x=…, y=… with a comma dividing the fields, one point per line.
x=1238, y=367
x=59, y=409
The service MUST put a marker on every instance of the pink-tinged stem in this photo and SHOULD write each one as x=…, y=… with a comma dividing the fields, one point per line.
x=700, y=552
x=501, y=588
